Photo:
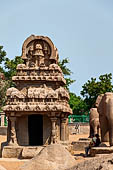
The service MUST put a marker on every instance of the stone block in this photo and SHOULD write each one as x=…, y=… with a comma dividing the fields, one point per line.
x=3, y=130
x=80, y=145
x=21, y=151
x=30, y=152
x=101, y=150
x=12, y=152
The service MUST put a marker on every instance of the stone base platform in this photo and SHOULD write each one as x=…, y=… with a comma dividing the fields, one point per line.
x=22, y=152
x=28, y=152
x=101, y=150
x=80, y=145
x=3, y=130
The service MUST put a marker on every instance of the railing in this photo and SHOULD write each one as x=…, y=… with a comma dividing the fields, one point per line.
x=3, y=119
x=78, y=118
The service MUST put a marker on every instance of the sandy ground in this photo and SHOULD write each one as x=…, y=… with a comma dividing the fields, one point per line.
x=11, y=163
x=14, y=164
x=77, y=136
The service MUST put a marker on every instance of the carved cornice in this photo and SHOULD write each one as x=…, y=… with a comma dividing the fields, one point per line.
x=39, y=78
x=38, y=108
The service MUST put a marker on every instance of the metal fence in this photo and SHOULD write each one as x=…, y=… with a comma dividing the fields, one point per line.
x=78, y=118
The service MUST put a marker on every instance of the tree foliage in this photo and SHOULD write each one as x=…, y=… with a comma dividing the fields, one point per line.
x=79, y=107
x=2, y=58
x=66, y=72
x=2, y=54
x=4, y=85
x=10, y=66
x=92, y=88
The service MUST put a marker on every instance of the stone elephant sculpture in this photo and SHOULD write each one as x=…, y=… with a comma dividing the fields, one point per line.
x=14, y=93
x=94, y=122
x=104, y=104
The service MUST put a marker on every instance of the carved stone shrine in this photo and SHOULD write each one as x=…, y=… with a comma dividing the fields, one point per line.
x=38, y=109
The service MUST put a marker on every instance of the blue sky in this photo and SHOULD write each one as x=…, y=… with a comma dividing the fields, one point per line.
x=82, y=30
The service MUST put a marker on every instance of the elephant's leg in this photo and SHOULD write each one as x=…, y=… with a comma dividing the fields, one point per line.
x=110, y=119
x=98, y=130
x=91, y=131
x=111, y=133
x=95, y=130
x=95, y=126
x=104, y=129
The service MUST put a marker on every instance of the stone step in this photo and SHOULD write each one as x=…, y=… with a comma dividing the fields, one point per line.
x=101, y=150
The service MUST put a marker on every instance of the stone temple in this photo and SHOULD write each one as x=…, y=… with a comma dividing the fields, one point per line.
x=38, y=109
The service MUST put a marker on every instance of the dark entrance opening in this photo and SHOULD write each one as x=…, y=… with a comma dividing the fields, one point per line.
x=35, y=129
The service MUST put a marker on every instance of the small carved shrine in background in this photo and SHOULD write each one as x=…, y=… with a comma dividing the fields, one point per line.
x=38, y=109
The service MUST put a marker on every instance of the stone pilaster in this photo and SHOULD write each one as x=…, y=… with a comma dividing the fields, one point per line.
x=13, y=139
x=2, y=119
x=53, y=134
x=67, y=130
x=63, y=129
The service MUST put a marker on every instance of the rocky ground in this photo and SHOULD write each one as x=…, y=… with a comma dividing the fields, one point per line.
x=101, y=162
x=14, y=164
x=81, y=162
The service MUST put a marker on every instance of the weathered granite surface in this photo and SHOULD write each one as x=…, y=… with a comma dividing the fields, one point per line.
x=98, y=163
x=2, y=168
x=52, y=157
x=21, y=151
x=31, y=152
x=80, y=145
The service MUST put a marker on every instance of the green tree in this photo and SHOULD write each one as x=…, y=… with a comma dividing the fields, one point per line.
x=77, y=104
x=4, y=85
x=10, y=66
x=92, y=88
x=66, y=72
x=2, y=54
x=2, y=58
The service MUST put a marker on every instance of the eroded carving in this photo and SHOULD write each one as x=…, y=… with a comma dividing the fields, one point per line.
x=14, y=93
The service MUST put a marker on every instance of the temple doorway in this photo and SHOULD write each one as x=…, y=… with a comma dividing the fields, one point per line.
x=35, y=130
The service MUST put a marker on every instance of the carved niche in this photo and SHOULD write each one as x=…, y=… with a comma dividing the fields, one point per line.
x=38, y=53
